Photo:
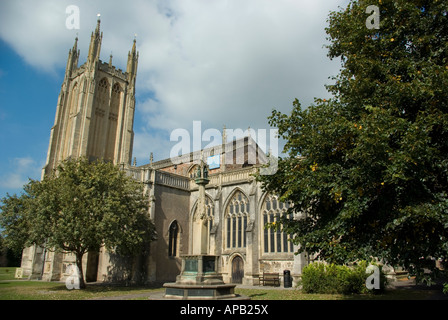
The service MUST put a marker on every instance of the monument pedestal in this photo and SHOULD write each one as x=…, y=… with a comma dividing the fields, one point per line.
x=199, y=280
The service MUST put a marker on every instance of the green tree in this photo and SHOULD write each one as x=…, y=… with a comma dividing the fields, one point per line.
x=80, y=208
x=368, y=169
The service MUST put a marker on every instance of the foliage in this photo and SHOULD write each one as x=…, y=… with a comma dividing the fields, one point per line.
x=13, y=220
x=331, y=278
x=368, y=169
x=80, y=208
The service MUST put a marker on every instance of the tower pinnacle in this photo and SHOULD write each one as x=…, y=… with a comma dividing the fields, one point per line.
x=131, y=68
x=95, y=43
x=98, y=23
x=72, y=61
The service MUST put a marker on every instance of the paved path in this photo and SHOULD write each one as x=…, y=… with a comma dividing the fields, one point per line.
x=436, y=292
x=159, y=295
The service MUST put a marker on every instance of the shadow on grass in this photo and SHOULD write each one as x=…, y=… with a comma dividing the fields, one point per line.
x=405, y=292
x=109, y=287
x=257, y=295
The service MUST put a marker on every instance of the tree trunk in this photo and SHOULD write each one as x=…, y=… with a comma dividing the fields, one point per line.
x=82, y=284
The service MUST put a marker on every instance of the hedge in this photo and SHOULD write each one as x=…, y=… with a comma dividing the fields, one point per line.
x=330, y=278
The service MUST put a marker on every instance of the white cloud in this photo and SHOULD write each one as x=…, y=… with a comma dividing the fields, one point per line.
x=21, y=169
x=146, y=142
x=222, y=62
x=32, y=29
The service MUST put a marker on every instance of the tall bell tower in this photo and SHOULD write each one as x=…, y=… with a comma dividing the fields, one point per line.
x=95, y=109
x=94, y=119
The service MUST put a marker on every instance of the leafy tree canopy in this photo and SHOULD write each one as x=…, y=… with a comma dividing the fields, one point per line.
x=80, y=208
x=368, y=169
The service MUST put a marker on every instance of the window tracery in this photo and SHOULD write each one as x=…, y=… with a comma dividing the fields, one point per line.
x=236, y=217
x=274, y=240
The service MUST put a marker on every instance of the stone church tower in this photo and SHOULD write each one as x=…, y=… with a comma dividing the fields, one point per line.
x=94, y=119
x=95, y=110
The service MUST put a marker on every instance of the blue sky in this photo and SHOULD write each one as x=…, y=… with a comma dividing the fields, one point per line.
x=25, y=109
x=225, y=62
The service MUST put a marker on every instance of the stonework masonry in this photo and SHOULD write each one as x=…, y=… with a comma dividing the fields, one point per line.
x=94, y=119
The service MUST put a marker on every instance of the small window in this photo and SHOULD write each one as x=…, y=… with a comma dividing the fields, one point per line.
x=116, y=89
x=173, y=236
x=103, y=84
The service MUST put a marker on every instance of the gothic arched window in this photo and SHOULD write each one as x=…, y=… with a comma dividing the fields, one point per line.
x=103, y=84
x=173, y=238
x=192, y=171
x=236, y=217
x=115, y=101
x=98, y=123
x=103, y=95
x=74, y=100
x=73, y=108
x=274, y=240
x=113, y=124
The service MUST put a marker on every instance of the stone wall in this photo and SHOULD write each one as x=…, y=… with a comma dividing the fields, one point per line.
x=171, y=205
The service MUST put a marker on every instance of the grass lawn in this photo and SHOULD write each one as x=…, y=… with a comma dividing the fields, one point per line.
x=40, y=290
x=266, y=294
x=13, y=289
x=7, y=273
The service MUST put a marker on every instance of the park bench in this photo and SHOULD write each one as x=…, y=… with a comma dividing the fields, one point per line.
x=269, y=279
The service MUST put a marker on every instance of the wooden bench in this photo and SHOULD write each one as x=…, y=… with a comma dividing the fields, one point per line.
x=269, y=279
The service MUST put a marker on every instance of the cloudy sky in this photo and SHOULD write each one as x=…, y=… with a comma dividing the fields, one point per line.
x=220, y=62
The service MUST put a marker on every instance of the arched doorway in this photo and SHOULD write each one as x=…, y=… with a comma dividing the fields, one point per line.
x=93, y=258
x=237, y=270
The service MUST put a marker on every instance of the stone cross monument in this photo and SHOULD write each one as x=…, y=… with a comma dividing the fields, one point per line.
x=199, y=277
x=201, y=247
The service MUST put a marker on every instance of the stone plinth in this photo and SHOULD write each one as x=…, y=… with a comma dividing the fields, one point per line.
x=200, y=292
x=199, y=280
x=199, y=269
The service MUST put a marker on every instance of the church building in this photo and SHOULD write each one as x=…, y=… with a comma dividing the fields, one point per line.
x=94, y=119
